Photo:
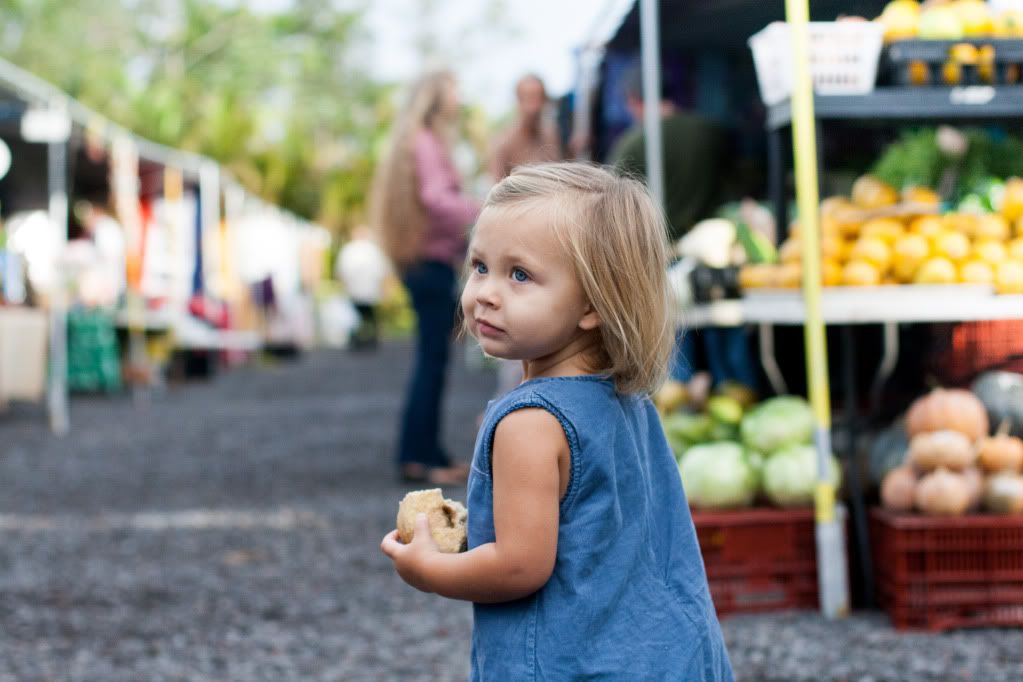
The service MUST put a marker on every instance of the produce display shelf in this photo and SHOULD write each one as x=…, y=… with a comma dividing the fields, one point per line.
x=900, y=304
x=937, y=573
x=971, y=102
x=759, y=560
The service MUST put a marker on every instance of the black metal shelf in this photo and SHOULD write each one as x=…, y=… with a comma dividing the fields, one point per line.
x=973, y=103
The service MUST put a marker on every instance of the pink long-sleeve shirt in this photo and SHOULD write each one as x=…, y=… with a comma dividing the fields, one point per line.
x=449, y=211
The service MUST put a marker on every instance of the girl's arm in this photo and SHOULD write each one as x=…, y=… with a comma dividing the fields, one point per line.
x=529, y=444
x=437, y=188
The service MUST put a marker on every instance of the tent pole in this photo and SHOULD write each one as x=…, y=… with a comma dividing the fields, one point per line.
x=832, y=575
x=56, y=161
x=651, y=64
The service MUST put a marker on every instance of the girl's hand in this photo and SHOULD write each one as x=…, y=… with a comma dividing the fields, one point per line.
x=409, y=560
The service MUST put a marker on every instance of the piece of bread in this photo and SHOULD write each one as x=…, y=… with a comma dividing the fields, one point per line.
x=447, y=519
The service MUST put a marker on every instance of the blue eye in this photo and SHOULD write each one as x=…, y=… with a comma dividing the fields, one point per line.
x=481, y=268
x=519, y=275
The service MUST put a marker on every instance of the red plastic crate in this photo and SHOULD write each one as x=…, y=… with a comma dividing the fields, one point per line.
x=937, y=573
x=965, y=350
x=759, y=560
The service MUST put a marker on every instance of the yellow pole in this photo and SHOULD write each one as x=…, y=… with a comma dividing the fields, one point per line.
x=831, y=562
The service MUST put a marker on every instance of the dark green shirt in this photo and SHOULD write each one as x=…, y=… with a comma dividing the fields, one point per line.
x=692, y=159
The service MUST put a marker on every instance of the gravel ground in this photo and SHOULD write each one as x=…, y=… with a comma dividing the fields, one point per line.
x=229, y=531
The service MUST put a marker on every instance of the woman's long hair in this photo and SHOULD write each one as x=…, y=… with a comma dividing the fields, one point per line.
x=395, y=210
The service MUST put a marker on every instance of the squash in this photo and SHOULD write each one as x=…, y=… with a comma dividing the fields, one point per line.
x=1004, y=493
x=947, y=449
x=975, y=483
x=942, y=493
x=1000, y=452
x=1001, y=393
x=898, y=489
x=951, y=410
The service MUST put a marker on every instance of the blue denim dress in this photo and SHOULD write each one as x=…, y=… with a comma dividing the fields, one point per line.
x=628, y=599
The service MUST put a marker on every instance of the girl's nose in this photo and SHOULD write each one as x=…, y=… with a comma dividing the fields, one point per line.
x=487, y=294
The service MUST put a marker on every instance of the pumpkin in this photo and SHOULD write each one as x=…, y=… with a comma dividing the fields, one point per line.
x=1003, y=493
x=975, y=483
x=942, y=493
x=948, y=449
x=951, y=410
x=1000, y=452
x=1001, y=393
x=898, y=489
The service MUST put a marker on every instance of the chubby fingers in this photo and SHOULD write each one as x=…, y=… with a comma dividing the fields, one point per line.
x=390, y=545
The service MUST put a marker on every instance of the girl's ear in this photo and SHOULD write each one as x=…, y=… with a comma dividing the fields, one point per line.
x=590, y=319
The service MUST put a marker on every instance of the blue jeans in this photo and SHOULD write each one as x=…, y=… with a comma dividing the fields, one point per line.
x=432, y=288
x=728, y=355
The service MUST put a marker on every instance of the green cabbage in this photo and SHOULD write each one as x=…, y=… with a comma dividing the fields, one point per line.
x=790, y=476
x=778, y=423
x=718, y=476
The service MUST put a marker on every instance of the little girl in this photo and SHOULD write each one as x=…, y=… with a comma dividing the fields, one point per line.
x=583, y=562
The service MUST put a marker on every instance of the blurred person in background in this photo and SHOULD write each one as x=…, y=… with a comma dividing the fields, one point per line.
x=422, y=215
x=362, y=267
x=694, y=149
x=532, y=138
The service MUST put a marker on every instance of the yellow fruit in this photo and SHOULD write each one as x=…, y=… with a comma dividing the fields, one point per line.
x=964, y=223
x=869, y=192
x=976, y=272
x=919, y=73
x=921, y=195
x=991, y=226
x=1008, y=24
x=858, y=273
x=940, y=22
x=990, y=251
x=790, y=251
x=1015, y=249
x=951, y=73
x=900, y=19
x=757, y=276
x=671, y=396
x=873, y=250
x=936, y=271
x=974, y=16
x=790, y=276
x=887, y=229
x=1012, y=201
x=952, y=245
x=965, y=54
x=833, y=247
x=831, y=273
x=908, y=254
x=928, y=226
x=1009, y=277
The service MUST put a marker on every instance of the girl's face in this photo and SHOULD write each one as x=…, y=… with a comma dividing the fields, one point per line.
x=522, y=299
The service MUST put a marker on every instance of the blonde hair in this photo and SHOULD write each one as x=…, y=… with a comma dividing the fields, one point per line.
x=395, y=209
x=616, y=237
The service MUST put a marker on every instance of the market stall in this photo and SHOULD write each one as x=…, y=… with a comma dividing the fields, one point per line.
x=972, y=276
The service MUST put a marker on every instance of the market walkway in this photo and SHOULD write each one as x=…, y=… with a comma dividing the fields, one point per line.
x=229, y=531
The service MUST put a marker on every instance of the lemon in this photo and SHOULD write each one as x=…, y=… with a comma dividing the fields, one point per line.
x=908, y=254
x=1009, y=277
x=991, y=226
x=976, y=272
x=952, y=245
x=831, y=273
x=859, y=273
x=887, y=229
x=869, y=192
x=1015, y=249
x=975, y=17
x=873, y=250
x=927, y=225
x=757, y=276
x=790, y=276
x=1012, y=200
x=963, y=223
x=921, y=195
x=790, y=251
x=990, y=251
x=936, y=271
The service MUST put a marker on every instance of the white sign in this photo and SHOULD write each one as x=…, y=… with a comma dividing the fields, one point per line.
x=45, y=125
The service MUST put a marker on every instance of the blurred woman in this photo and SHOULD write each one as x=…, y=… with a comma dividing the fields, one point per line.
x=422, y=214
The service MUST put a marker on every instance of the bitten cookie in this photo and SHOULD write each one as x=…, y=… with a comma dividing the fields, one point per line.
x=447, y=519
